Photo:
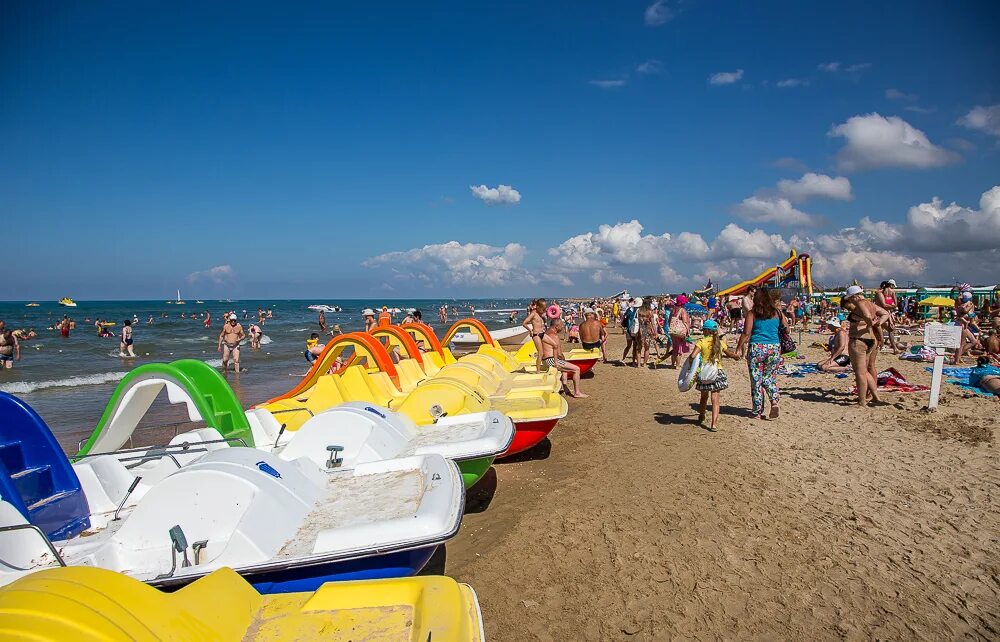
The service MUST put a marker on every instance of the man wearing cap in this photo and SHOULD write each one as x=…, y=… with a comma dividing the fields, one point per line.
x=229, y=343
x=592, y=332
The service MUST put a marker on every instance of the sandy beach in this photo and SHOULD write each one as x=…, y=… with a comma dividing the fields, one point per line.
x=831, y=522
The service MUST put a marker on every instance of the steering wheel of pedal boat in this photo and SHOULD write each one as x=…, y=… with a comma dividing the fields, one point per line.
x=474, y=325
x=396, y=336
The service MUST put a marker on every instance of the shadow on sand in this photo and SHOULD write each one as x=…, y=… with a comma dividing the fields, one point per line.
x=536, y=453
x=478, y=498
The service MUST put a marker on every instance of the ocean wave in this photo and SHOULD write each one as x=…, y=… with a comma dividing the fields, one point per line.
x=301, y=330
x=265, y=340
x=24, y=387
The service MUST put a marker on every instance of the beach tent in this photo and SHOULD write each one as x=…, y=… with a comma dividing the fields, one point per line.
x=937, y=301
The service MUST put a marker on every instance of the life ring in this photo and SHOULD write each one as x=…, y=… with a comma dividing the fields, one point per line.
x=553, y=312
x=685, y=379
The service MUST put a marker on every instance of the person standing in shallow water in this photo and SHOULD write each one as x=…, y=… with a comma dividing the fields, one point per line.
x=10, y=347
x=125, y=347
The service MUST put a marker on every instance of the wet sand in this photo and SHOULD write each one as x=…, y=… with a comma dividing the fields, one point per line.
x=831, y=522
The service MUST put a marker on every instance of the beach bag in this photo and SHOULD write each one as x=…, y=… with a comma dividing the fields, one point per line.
x=785, y=339
x=678, y=328
x=709, y=373
x=632, y=317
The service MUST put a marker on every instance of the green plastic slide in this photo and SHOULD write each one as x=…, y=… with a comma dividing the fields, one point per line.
x=199, y=386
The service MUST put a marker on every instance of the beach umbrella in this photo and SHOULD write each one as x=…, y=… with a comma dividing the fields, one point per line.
x=937, y=301
x=697, y=308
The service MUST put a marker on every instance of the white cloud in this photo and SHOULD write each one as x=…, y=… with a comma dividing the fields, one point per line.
x=813, y=185
x=792, y=82
x=936, y=227
x=460, y=263
x=499, y=195
x=725, y=77
x=651, y=66
x=829, y=66
x=735, y=242
x=608, y=84
x=613, y=277
x=985, y=119
x=861, y=66
x=876, y=141
x=895, y=94
x=772, y=209
x=657, y=14
x=219, y=274
x=917, y=109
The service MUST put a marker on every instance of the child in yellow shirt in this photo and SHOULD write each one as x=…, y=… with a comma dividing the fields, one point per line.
x=711, y=347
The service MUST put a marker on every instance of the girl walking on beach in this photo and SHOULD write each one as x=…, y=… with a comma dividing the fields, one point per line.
x=647, y=329
x=712, y=378
x=760, y=333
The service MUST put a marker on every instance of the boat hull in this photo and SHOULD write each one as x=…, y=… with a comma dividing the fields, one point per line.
x=309, y=578
x=528, y=434
x=585, y=365
x=474, y=469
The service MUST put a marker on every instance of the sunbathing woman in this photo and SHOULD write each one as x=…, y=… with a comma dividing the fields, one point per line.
x=985, y=377
x=865, y=339
x=839, y=360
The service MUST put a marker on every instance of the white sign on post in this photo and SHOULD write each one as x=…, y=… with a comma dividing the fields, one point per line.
x=940, y=336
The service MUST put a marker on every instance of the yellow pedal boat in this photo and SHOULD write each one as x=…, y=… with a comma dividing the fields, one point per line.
x=364, y=371
x=87, y=604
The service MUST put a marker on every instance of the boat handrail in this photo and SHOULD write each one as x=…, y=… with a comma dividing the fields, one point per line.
x=299, y=409
x=166, y=450
x=41, y=533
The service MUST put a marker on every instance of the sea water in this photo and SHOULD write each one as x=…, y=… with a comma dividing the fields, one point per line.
x=69, y=381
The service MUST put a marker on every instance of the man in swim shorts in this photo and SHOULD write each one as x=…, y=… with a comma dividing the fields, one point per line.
x=552, y=356
x=229, y=343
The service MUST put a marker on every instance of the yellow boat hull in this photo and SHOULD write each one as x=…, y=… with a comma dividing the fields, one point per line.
x=92, y=604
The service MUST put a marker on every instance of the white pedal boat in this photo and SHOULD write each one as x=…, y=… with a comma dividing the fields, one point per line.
x=285, y=525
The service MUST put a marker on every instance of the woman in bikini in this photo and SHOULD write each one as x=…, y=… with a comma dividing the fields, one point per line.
x=864, y=340
x=535, y=324
x=885, y=298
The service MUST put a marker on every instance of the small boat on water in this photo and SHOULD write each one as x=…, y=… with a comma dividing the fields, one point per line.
x=179, y=301
x=31, y=305
x=509, y=339
x=325, y=308
x=80, y=603
x=67, y=302
x=284, y=524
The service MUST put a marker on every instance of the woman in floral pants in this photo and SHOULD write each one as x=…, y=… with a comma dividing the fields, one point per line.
x=764, y=356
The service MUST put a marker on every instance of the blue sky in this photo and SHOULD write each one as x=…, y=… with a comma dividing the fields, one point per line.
x=330, y=150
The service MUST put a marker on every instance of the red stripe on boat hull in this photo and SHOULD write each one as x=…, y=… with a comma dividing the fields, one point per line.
x=528, y=434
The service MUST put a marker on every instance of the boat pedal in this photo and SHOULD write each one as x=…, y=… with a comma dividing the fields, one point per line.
x=436, y=412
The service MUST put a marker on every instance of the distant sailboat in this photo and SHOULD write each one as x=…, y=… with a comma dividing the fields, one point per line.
x=179, y=301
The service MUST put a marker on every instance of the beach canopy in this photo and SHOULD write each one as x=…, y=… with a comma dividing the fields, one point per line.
x=697, y=308
x=938, y=301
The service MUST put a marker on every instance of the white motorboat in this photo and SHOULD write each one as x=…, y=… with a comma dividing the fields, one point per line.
x=510, y=338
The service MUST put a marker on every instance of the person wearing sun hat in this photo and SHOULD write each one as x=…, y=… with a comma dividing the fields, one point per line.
x=838, y=361
x=864, y=341
x=369, y=316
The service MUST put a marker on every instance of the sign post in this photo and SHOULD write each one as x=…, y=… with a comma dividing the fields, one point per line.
x=940, y=336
